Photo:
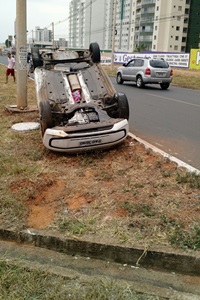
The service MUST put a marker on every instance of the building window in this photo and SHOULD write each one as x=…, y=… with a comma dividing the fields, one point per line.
x=175, y=47
x=177, y=28
x=156, y=27
x=154, y=37
x=179, y=8
x=177, y=38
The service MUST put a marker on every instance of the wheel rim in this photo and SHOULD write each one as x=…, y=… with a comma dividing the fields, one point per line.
x=119, y=78
x=139, y=82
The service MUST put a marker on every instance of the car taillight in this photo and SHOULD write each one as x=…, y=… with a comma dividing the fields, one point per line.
x=147, y=71
x=171, y=73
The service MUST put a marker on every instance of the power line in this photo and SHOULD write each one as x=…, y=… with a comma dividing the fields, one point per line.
x=163, y=18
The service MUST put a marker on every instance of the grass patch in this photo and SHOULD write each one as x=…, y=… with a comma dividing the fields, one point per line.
x=24, y=283
x=191, y=178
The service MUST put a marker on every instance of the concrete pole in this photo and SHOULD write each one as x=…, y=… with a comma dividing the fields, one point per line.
x=21, y=60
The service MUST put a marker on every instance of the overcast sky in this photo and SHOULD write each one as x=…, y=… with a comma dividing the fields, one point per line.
x=39, y=13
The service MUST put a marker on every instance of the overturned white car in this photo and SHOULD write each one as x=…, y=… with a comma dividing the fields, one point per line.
x=78, y=106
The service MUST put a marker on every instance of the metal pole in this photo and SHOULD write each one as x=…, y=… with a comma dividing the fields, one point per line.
x=113, y=32
x=21, y=60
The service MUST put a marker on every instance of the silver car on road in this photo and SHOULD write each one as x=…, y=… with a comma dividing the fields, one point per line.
x=145, y=71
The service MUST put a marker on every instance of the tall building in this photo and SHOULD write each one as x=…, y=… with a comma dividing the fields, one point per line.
x=193, y=34
x=77, y=24
x=156, y=25
x=43, y=34
x=90, y=21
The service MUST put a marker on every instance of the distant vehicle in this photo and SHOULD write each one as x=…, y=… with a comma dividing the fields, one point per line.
x=146, y=71
x=78, y=106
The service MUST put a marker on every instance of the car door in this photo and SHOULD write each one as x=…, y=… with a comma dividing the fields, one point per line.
x=138, y=68
x=128, y=70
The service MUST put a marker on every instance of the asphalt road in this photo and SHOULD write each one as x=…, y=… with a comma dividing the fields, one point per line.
x=170, y=120
x=167, y=119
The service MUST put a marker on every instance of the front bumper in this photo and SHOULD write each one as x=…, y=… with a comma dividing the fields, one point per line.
x=61, y=141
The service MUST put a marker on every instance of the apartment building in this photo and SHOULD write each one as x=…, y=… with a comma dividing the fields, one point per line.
x=90, y=21
x=77, y=24
x=156, y=25
x=193, y=34
x=43, y=34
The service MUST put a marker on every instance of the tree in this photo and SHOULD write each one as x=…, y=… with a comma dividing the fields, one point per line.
x=8, y=43
x=140, y=47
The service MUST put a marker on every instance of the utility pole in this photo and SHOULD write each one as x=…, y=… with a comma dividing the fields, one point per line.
x=21, y=59
x=113, y=32
x=90, y=21
x=53, y=35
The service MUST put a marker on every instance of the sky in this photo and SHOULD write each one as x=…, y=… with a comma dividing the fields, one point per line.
x=39, y=13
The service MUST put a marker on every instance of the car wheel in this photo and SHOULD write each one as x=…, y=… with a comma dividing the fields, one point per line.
x=95, y=52
x=119, y=78
x=164, y=85
x=139, y=82
x=46, y=120
x=122, y=108
x=37, y=62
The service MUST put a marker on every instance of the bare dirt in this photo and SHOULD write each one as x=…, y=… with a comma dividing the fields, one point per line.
x=126, y=195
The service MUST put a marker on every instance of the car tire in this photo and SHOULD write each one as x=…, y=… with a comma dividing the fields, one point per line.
x=122, y=108
x=95, y=52
x=139, y=82
x=46, y=120
x=37, y=61
x=164, y=85
x=119, y=78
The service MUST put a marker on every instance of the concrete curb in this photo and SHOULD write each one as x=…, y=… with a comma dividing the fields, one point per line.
x=164, y=154
x=163, y=260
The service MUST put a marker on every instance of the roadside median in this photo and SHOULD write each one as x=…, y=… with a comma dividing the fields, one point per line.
x=128, y=204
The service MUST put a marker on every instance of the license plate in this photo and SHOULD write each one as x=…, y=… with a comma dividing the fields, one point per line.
x=90, y=142
x=160, y=74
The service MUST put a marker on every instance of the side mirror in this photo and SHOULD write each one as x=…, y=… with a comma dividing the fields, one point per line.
x=124, y=65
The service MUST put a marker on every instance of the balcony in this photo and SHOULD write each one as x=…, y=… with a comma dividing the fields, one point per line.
x=148, y=2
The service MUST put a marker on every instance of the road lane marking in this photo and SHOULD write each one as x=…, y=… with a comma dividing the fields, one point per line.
x=179, y=101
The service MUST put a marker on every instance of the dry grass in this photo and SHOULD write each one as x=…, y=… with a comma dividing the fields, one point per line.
x=25, y=283
x=126, y=195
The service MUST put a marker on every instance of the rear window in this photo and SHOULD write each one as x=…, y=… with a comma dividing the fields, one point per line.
x=158, y=64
